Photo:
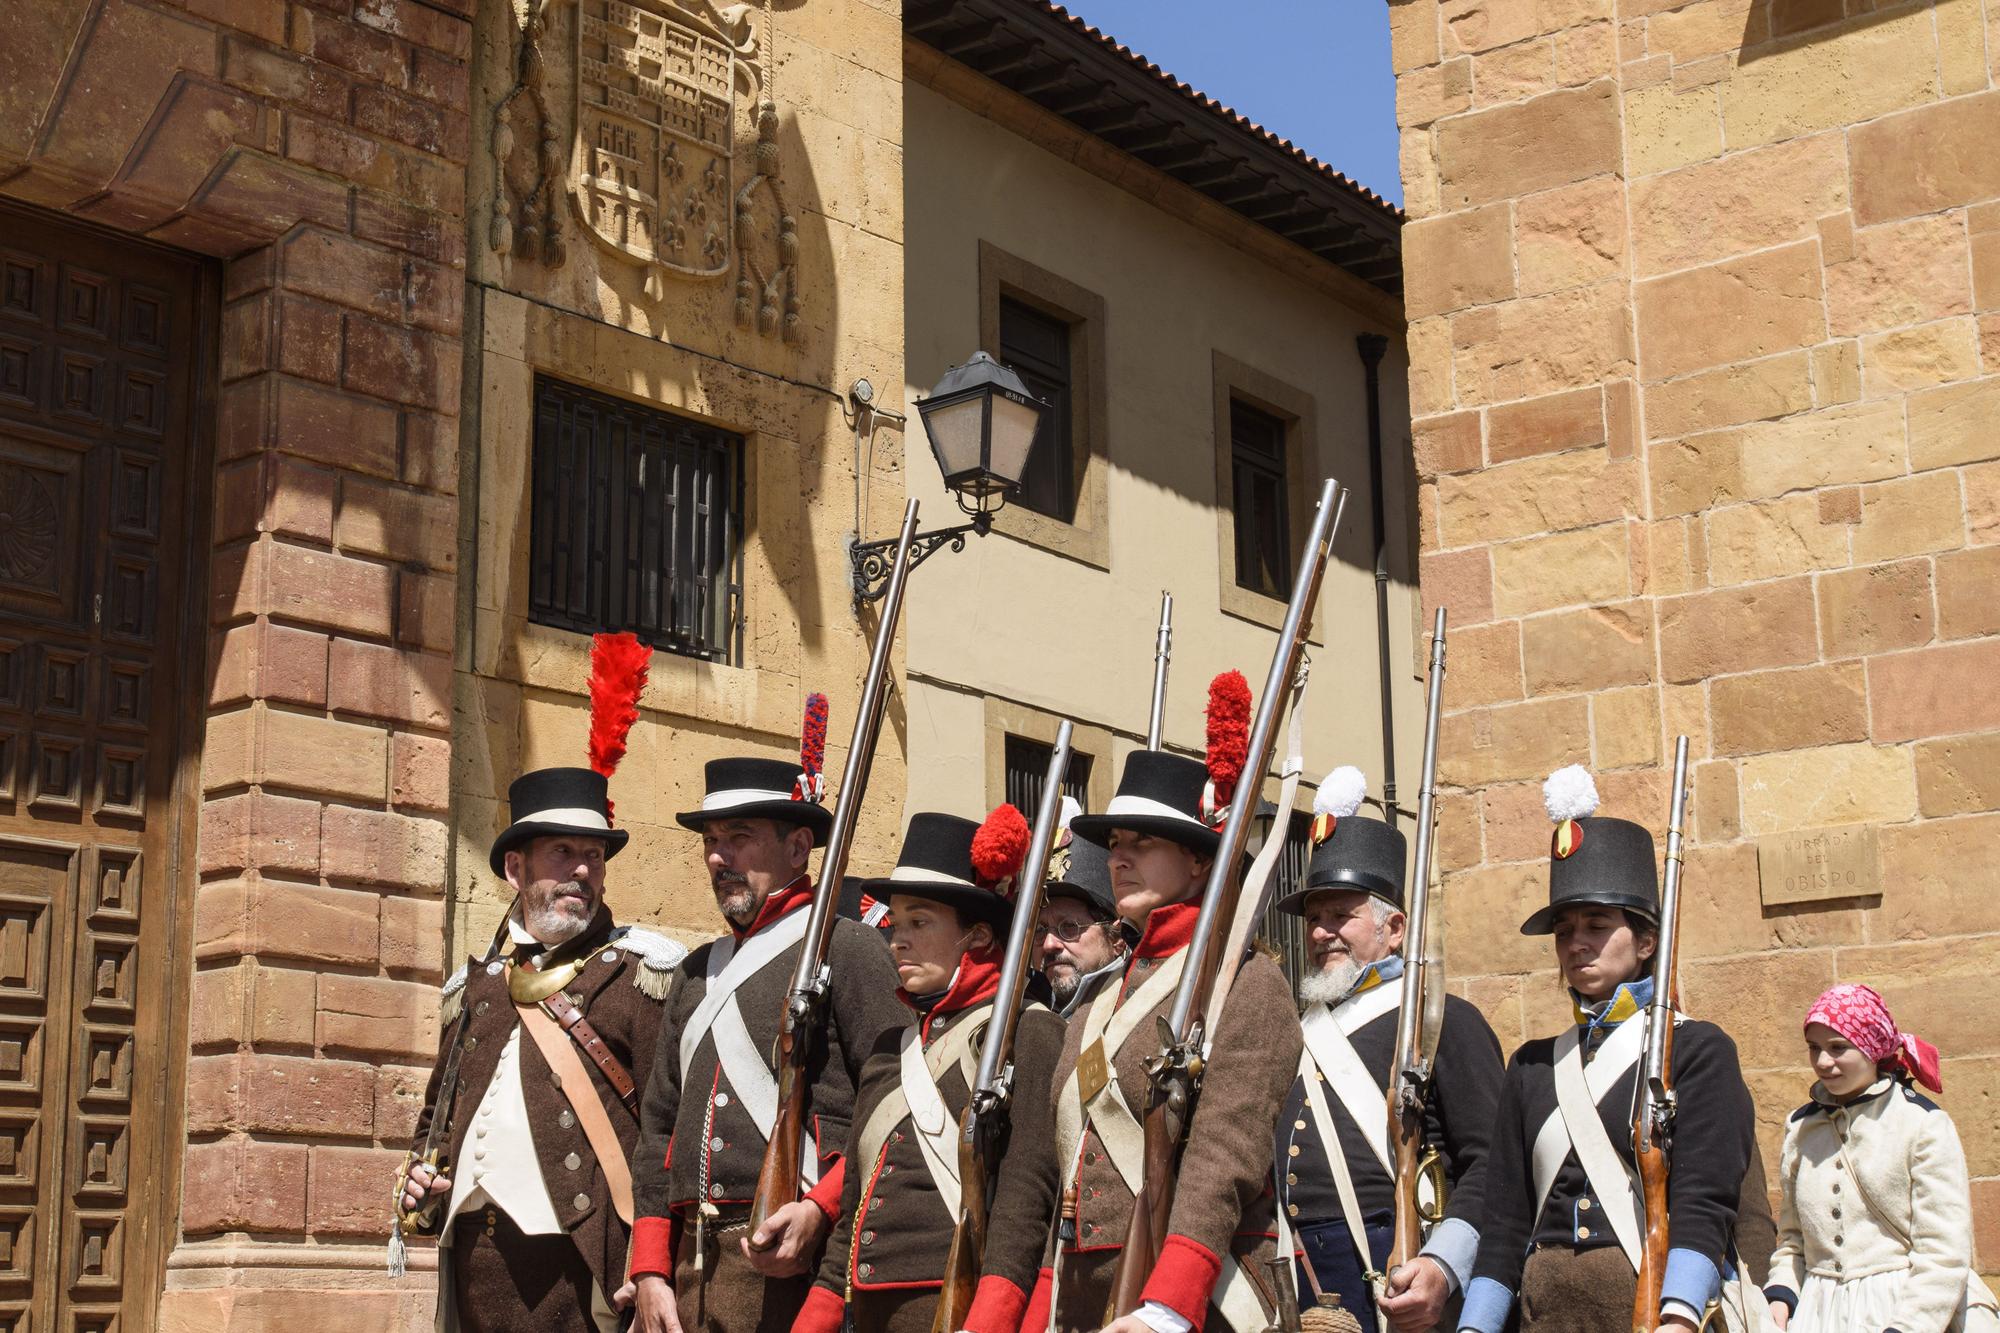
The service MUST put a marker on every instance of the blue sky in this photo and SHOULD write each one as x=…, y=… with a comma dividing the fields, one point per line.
x=1314, y=71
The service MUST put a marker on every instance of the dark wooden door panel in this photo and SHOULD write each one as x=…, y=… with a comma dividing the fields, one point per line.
x=98, y=357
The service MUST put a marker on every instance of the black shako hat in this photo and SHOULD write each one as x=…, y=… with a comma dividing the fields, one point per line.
x=1087, y=878
x=1158, y=793
x=1350, y=850
x=748, y=788
x=1593, y=858
x=935, y=863
x=551, y=801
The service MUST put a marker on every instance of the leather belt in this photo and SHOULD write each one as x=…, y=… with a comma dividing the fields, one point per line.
x=565, y=1012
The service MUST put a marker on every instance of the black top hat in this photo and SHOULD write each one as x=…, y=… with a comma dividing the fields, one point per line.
x=550, y=801
x=1593, y=858
x=1350, y=850
x=1158, y=793
x=1087, y=878
x=758, y=789
x=936, y=863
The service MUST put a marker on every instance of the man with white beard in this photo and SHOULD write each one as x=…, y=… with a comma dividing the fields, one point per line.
x=1333, y=1137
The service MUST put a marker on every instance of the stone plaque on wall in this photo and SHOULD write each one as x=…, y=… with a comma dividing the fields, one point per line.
x=1814, y=865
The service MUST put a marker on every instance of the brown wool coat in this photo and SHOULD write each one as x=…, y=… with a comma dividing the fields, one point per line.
x=1223, y=1200
x=628, y=1021
x=862, y=1007
x=906, y=1232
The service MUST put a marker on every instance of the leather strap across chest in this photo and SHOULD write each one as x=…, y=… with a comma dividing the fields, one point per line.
x=585, y=1036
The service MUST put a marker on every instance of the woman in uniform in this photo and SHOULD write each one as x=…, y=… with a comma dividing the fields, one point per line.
x=950, y=899
x=1562, y=1224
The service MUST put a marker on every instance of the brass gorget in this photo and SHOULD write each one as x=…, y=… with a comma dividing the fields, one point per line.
x=532, y=985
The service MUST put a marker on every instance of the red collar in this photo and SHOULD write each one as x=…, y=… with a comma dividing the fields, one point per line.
x=976, y=981
x=785, y=901
x=1169, y=929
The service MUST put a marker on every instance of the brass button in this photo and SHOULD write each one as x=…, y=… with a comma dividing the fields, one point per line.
x=581, y=1202
x=572, y=1161
x=1090, y=1159
x=1292, y=1210
x=1583, y=1233
x=867, y=1238
x=566, y=1119
x=479, y=1008
x=1583, y=1205
x=471, y=1042
x=1291, y=1178
x=867, y=1270
x=1298, y=1124
x=1294, y=1150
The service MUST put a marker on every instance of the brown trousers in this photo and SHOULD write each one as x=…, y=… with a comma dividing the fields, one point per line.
x=1086, y=1291
x=735, y=1298
x=1577, y=1291
x=505, y=1282
x=909, y=1310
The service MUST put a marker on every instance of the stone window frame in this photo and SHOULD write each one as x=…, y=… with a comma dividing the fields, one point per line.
x=1087, y=538
x=1005, y=717
x=1299, y=410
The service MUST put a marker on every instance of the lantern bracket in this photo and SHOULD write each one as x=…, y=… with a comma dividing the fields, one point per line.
x=874, y=561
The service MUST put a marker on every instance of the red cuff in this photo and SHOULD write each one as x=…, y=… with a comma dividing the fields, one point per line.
x=1183, y=1278
x=653, y=1247
x=826, y=1194
x=821, y=1313
x=996, y=1306
x=1036, y=1317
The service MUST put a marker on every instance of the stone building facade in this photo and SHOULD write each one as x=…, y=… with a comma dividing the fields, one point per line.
x=279, y=284
x=1705, y=366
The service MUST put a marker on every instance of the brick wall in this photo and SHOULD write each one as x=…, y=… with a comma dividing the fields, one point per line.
x=318, y=150
x=1705, y=343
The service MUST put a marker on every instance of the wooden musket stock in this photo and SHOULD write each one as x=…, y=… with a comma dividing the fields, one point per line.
x=1653, y=1116
x=1175, y=1073
x=984, y=1123
x=805, y=1004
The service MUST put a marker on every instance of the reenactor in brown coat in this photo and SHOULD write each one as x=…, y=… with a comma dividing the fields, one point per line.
x=523, y=1144
x=712, y=1099
x=949, y=905
x=1221, y=1231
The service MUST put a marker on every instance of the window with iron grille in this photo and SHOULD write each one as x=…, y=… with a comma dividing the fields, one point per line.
x=1037, y=346
x=636, y=523
x=1284, y=932
x=1028, y=763
x=1261, y=501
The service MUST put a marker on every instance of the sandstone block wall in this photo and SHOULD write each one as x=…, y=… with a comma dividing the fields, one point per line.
x=1705, y=369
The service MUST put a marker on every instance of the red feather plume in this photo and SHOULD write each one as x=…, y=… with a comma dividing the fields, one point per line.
x=812, y=750
x=617, y=677
x=1000, y=846
x=1228, y=733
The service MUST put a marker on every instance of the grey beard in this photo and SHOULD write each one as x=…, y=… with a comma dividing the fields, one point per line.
x=1329, y=985
x=552, y=927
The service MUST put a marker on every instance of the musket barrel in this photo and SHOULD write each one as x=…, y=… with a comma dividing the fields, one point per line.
x=1418, y=912
x=1028, y=896
x=860, y=754
x=1660, y=1012
x=1163, y=651
x=1263, y=734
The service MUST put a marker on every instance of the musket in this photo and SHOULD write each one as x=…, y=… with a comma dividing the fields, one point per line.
x=1653, y=1116
x=1175, y=1073
x=1418, y=1020
x=1163, y=651
x=982, y=1127
x=805, y=1004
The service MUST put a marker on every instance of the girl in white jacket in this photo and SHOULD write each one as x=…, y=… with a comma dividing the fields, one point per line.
x=1875, y=1226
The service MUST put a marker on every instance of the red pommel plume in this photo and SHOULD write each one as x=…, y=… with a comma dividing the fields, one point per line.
x=617, y=677
x=1228, y=740
x=999, y=848
x=811, y=785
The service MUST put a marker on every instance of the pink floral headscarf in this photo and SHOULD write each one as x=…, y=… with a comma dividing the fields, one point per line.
x=1858, y=1014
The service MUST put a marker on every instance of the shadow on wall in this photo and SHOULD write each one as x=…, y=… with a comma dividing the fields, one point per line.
x=1779, y=26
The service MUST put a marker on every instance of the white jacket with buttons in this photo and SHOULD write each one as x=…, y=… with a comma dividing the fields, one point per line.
x=1912, y=1170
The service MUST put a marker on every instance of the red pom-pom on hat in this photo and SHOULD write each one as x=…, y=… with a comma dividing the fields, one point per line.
x=1000, y=847
x=811, y=784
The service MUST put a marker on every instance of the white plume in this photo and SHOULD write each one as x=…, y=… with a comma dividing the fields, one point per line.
x=1570, y=793
x=1067, y=810
x=1340, y=792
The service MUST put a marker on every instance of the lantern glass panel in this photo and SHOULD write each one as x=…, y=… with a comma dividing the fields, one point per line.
x=956, y=430
x=1014, y=426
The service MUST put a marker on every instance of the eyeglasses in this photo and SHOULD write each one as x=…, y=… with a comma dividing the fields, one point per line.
x=1069, y=932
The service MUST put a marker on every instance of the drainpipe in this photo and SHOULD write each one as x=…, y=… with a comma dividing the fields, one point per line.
x=1372, y=346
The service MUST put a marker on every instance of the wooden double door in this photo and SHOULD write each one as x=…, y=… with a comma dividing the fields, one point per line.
x=101, y=344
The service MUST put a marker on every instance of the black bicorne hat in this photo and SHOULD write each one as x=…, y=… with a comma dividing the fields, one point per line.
x=551, y=801
x=748, y=788
x=1350, y=850
x=936, y=864
x=1158, y=793
x=1593, y=858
